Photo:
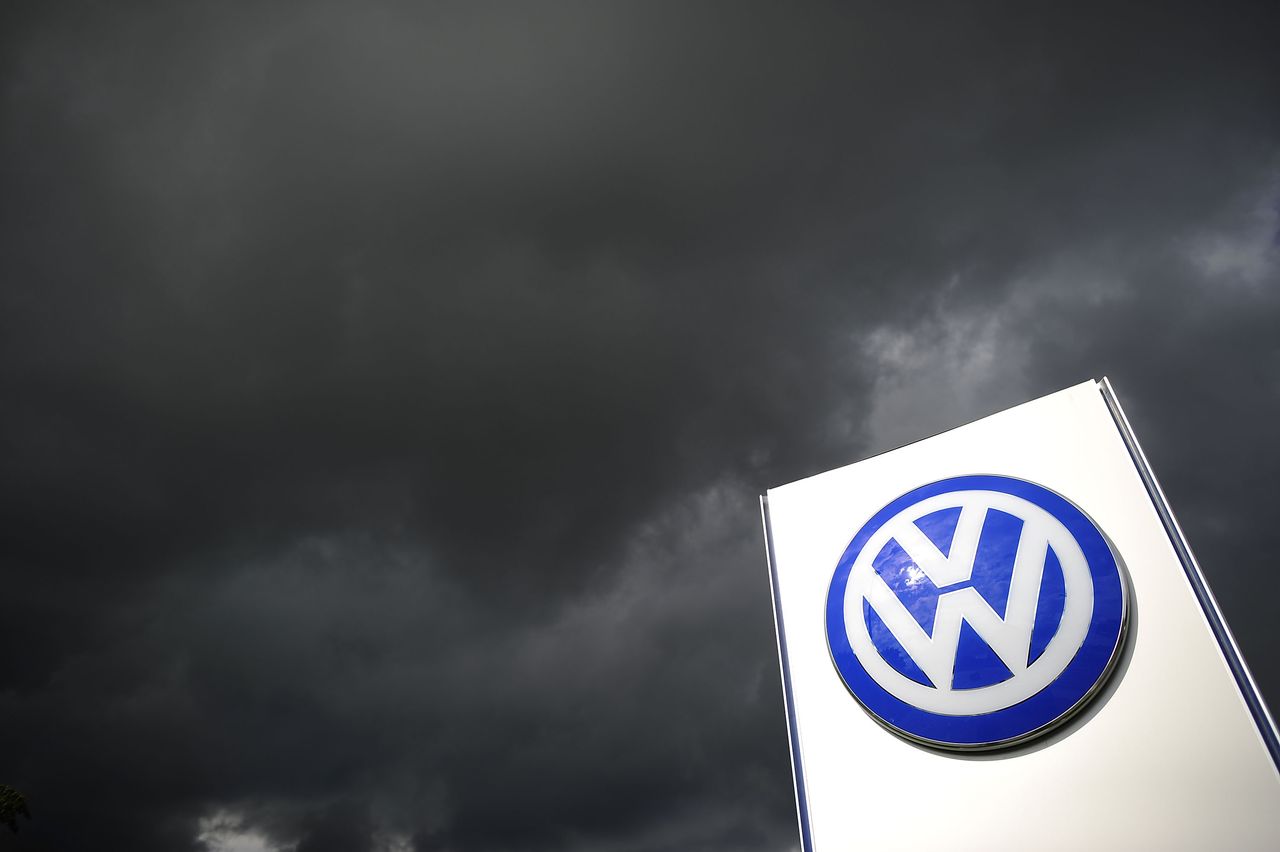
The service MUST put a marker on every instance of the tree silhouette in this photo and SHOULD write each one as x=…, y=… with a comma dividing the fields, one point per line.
x=12, y=803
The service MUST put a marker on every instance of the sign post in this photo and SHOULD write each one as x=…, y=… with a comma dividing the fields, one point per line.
x=997, y=638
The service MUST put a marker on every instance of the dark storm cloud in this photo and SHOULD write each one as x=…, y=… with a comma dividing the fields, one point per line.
x=386, y=388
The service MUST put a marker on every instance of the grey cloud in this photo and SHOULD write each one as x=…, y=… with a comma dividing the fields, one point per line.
x=386, y=387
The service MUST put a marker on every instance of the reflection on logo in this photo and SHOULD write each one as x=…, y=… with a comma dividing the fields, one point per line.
x=976, y=612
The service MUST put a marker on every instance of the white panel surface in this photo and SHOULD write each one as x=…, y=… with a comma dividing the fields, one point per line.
x=1167, y=757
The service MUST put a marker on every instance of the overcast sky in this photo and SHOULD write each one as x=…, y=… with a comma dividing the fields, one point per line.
x=386, y=388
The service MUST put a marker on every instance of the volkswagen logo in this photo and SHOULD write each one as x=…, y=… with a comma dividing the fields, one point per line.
x=976, y=612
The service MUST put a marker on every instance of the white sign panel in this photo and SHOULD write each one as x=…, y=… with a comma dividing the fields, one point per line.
x=996, y=638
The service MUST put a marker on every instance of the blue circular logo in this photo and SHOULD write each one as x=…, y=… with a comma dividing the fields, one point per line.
x=976, y=612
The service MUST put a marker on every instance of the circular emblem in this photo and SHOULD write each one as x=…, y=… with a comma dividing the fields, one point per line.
x=976, y=612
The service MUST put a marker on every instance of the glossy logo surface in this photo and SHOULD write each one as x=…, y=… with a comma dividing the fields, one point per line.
x=976, y=612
